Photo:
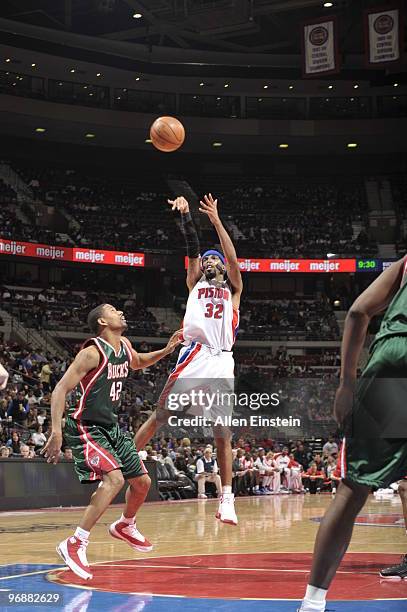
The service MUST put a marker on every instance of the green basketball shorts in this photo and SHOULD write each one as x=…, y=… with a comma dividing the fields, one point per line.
x=99, y=449
x=375, y=447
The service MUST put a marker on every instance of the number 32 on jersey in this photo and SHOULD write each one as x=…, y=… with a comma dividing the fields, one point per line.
x=214, y=311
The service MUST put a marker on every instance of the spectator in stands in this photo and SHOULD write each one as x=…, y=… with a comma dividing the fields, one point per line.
x=4, y=452
x=45, y=377
x=14, y=443
x=296, y=470
x=332, y=474
x=262, y=469
x=273, y=476
x=313, y=479
x=38, y=438
x=282, y=460
x=319, y=462
x=68, y=456
x=207, y=471
x=18, y=409
x=25, y=452
x=330, y=447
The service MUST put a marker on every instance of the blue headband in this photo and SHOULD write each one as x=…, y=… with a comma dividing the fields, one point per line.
x=213, y=252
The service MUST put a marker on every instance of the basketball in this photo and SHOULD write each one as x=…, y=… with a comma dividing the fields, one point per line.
x=167, y=134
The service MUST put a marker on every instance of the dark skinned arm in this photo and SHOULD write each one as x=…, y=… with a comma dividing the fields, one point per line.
x=209, y=206
x=371, y=302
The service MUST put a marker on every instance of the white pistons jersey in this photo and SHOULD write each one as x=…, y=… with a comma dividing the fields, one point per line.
x=210, y=317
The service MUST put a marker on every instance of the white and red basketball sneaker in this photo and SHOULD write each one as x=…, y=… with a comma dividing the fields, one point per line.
x=130, y=534
x=73, y=552
x=226, y=511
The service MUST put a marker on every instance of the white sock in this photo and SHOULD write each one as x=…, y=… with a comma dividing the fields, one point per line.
x=226, y=489
x=129, y=521
x=314, y=600
x=81, y=534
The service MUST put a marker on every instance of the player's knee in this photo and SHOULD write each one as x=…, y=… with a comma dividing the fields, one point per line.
x=403, y=489
x=141, y=483
x=356, y=494
x=114, y=480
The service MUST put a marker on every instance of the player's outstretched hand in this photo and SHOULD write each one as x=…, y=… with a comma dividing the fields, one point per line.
x=52, y=449
x=174, y=341
x=343, y=403
x=180, y=204
x=210, y=208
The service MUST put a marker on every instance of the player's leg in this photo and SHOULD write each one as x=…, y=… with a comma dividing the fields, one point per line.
x=399, y=571
x=201, y=479
x=95, y=460
x=73, y=549
x=226, y=511
x=332, y=541
x=139, y=483
x=147, y=431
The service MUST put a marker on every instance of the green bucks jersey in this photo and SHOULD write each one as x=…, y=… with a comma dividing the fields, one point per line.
x=394, y=322
x=97, y=397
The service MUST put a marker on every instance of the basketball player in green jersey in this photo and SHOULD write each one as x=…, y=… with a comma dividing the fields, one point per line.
x=101, y=451
x=375, y=453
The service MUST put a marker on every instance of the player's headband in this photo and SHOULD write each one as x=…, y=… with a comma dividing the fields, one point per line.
x=213, y=252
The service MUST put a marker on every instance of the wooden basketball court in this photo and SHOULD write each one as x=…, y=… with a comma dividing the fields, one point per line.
x=200, y=564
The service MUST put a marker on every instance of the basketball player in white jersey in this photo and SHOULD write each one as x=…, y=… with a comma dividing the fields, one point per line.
x=209, y=329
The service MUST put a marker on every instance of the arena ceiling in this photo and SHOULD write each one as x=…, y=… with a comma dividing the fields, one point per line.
x=269, y=27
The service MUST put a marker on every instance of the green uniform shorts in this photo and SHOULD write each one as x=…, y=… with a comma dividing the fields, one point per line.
x=375, y=447
x=99, y=449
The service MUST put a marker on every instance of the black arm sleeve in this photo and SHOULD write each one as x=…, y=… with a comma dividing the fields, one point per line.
x=190, y=235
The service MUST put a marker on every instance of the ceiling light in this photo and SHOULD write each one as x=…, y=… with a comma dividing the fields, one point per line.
x=40, y=130
x=395, y=84
x=72, y=70
x=137, y=78
x=283, y=145
x=8, y=60
x=330, y=86
x=355, y=86
x=137, y=16
x=148, y=140
x=328, y=4
x=265, y=86
x=216, y=144
x=291, y=87
x=90, y=135
x=226, y=85
x=98, y=74
x=201, y=84
x=259, y=99
x=33, y=65
x=352, y=145
x=218, y=98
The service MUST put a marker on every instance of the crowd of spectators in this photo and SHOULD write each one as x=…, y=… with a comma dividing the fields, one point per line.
x=57, y=309
x=114, y=212
x=304, y=319
x=296, y=218
x=67, y=310
x=260, y=466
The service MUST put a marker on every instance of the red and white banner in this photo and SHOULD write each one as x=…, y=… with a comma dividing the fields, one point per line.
x=78, y=255
x=295, y=265
x=382, y=36
x=320, y=47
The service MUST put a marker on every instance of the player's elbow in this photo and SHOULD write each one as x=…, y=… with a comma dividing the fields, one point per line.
x=358, y=312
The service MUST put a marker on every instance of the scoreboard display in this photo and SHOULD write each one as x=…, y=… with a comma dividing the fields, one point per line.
x=369, y=265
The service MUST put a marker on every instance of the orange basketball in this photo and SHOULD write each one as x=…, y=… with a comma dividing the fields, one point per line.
x=167, y=134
